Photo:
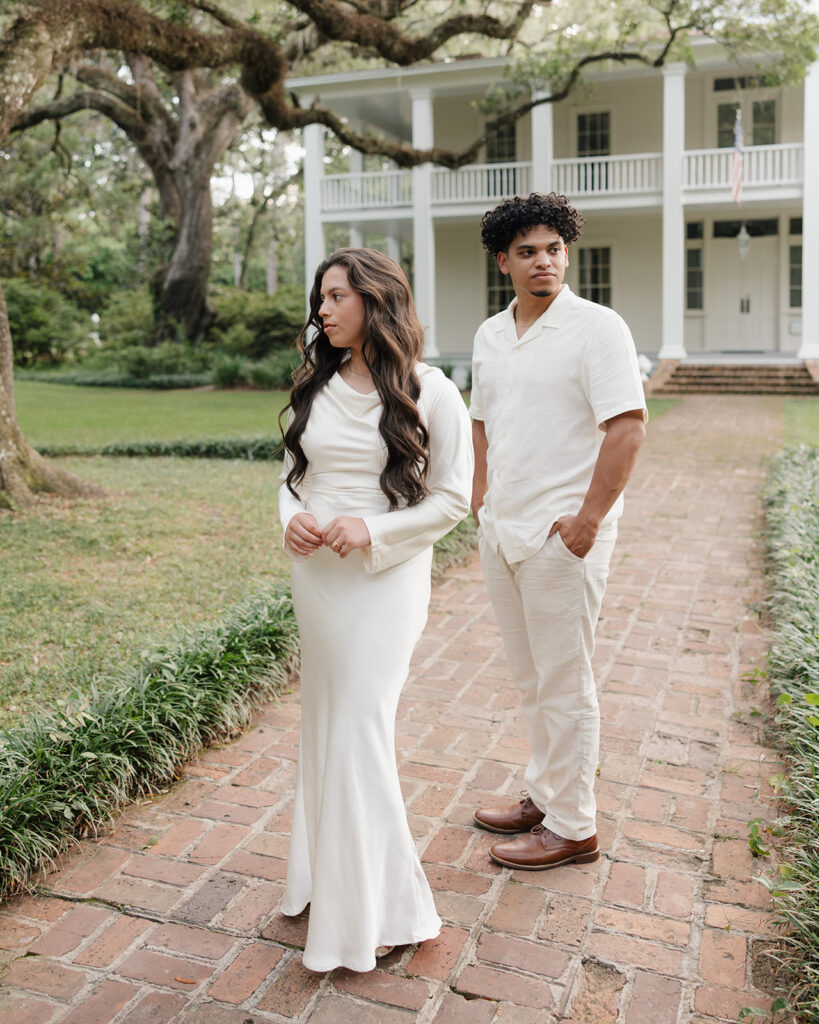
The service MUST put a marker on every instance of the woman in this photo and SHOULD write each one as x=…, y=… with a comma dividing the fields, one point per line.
x=378, y=466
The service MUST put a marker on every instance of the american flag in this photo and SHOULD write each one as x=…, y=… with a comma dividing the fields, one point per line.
x=737, y=159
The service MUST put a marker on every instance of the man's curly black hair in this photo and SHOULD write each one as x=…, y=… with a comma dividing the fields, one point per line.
x=515, y=216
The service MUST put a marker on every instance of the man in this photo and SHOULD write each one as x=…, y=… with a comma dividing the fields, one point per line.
x=558, y=419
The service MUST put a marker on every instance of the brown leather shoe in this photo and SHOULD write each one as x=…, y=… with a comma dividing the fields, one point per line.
x=542, y=849
x=509, y=820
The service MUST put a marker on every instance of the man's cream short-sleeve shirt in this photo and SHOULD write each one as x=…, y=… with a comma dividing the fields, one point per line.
x=544, y=399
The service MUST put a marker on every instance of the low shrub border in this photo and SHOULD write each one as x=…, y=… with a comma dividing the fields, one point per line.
x=115, y=379
x=251, y=448
x=792, y=503
x=64, y=773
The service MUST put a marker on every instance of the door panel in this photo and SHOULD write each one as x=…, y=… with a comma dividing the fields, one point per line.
x=741, y=296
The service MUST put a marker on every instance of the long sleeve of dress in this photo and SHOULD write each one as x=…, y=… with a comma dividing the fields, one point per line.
x=289, y=504
x=401, y=534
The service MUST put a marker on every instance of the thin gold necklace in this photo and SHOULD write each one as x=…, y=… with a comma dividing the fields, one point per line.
x=357, y=373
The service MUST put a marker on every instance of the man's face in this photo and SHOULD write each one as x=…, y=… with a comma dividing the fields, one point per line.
x=536, y=261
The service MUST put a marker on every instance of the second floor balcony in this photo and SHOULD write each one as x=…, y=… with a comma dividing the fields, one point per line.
x=609, y=179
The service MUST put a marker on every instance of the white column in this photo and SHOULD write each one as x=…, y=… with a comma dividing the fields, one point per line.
x=314, y=243
x=423, y=234
x=394, y=246
x=356, y=167
x=809, y=348
x=543, y=147
x=673, y=305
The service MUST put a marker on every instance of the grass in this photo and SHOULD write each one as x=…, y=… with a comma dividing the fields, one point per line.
x=65, y=771
x=84, y=587
x=59, y=414
x=792, y=502
x=657, y=406
x=62, y=414
x=802, y=421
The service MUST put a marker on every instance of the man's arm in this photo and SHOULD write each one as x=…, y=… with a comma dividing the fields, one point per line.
x=615, y=461
x=480, y=446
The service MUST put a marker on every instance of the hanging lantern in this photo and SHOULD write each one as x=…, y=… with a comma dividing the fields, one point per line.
x=743, y=242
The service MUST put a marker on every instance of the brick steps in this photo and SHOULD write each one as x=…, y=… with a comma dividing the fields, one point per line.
x=739, y=379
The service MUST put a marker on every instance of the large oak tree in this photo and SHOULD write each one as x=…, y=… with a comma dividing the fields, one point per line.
x=183, y=37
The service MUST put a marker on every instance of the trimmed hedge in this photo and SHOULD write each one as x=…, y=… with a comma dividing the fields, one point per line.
x=63, y=773
x=116, y=379
x=792, y=503
x=261, y=449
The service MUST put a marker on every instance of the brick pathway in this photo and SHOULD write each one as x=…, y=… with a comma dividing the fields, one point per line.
x=173, y=916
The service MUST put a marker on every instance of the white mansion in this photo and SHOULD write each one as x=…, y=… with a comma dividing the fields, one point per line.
x=646, y=155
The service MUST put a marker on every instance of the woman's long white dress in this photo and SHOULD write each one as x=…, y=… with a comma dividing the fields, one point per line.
x=352, y=856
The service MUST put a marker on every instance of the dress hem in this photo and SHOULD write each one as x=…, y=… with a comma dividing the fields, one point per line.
x=365, y=970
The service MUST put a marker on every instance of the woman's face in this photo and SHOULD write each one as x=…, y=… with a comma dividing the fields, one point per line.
x=341, y=310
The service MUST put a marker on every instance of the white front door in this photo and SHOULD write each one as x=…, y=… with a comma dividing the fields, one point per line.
x=741, y=296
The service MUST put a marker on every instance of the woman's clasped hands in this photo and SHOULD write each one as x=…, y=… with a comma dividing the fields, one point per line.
x=342, y=534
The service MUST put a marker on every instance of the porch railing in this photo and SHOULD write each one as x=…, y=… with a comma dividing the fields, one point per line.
x=481, y=182
x=636, y=173
x=608, y=175
x=762, y=165
x=377, y=190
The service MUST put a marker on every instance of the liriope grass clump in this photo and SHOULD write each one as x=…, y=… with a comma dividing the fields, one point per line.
x=792, y=501
x=64, y=772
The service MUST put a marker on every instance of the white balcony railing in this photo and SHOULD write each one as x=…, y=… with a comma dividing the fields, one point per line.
x=608, y=175
x=762, y=165
x=380, y=189
x=613, y=176
x=481, y=182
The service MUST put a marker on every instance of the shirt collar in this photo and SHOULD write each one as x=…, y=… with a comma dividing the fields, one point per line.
x=552, y=317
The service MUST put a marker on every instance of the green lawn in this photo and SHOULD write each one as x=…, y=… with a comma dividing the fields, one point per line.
x=62, y=414
x=802, y=421
x=657, y=406
x=86, y=586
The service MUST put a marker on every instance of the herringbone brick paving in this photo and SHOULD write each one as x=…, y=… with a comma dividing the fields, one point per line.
x=172, y=916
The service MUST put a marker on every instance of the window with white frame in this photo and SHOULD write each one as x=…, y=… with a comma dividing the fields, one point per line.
x=499, y=288
x=763, y=122
x=795, y=276
x=726, y=118
x=501, y=148
x=795, y=263
x=693, y=279
x=758, y=112
x=594, y=134
x=594, y=277
x=694, y=266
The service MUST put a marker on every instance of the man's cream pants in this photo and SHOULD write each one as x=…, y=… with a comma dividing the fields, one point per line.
x=547, y=608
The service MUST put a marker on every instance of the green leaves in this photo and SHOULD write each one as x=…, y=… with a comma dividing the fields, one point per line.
x=755, y=839
x=792, y=501
x=63, y=773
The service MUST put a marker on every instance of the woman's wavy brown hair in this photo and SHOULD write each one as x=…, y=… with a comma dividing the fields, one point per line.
x=394, y=338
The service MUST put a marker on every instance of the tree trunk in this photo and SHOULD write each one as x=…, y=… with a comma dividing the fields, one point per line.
x=23, y=472
x=180, y=288
x=238, y=262
x=272, y=266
